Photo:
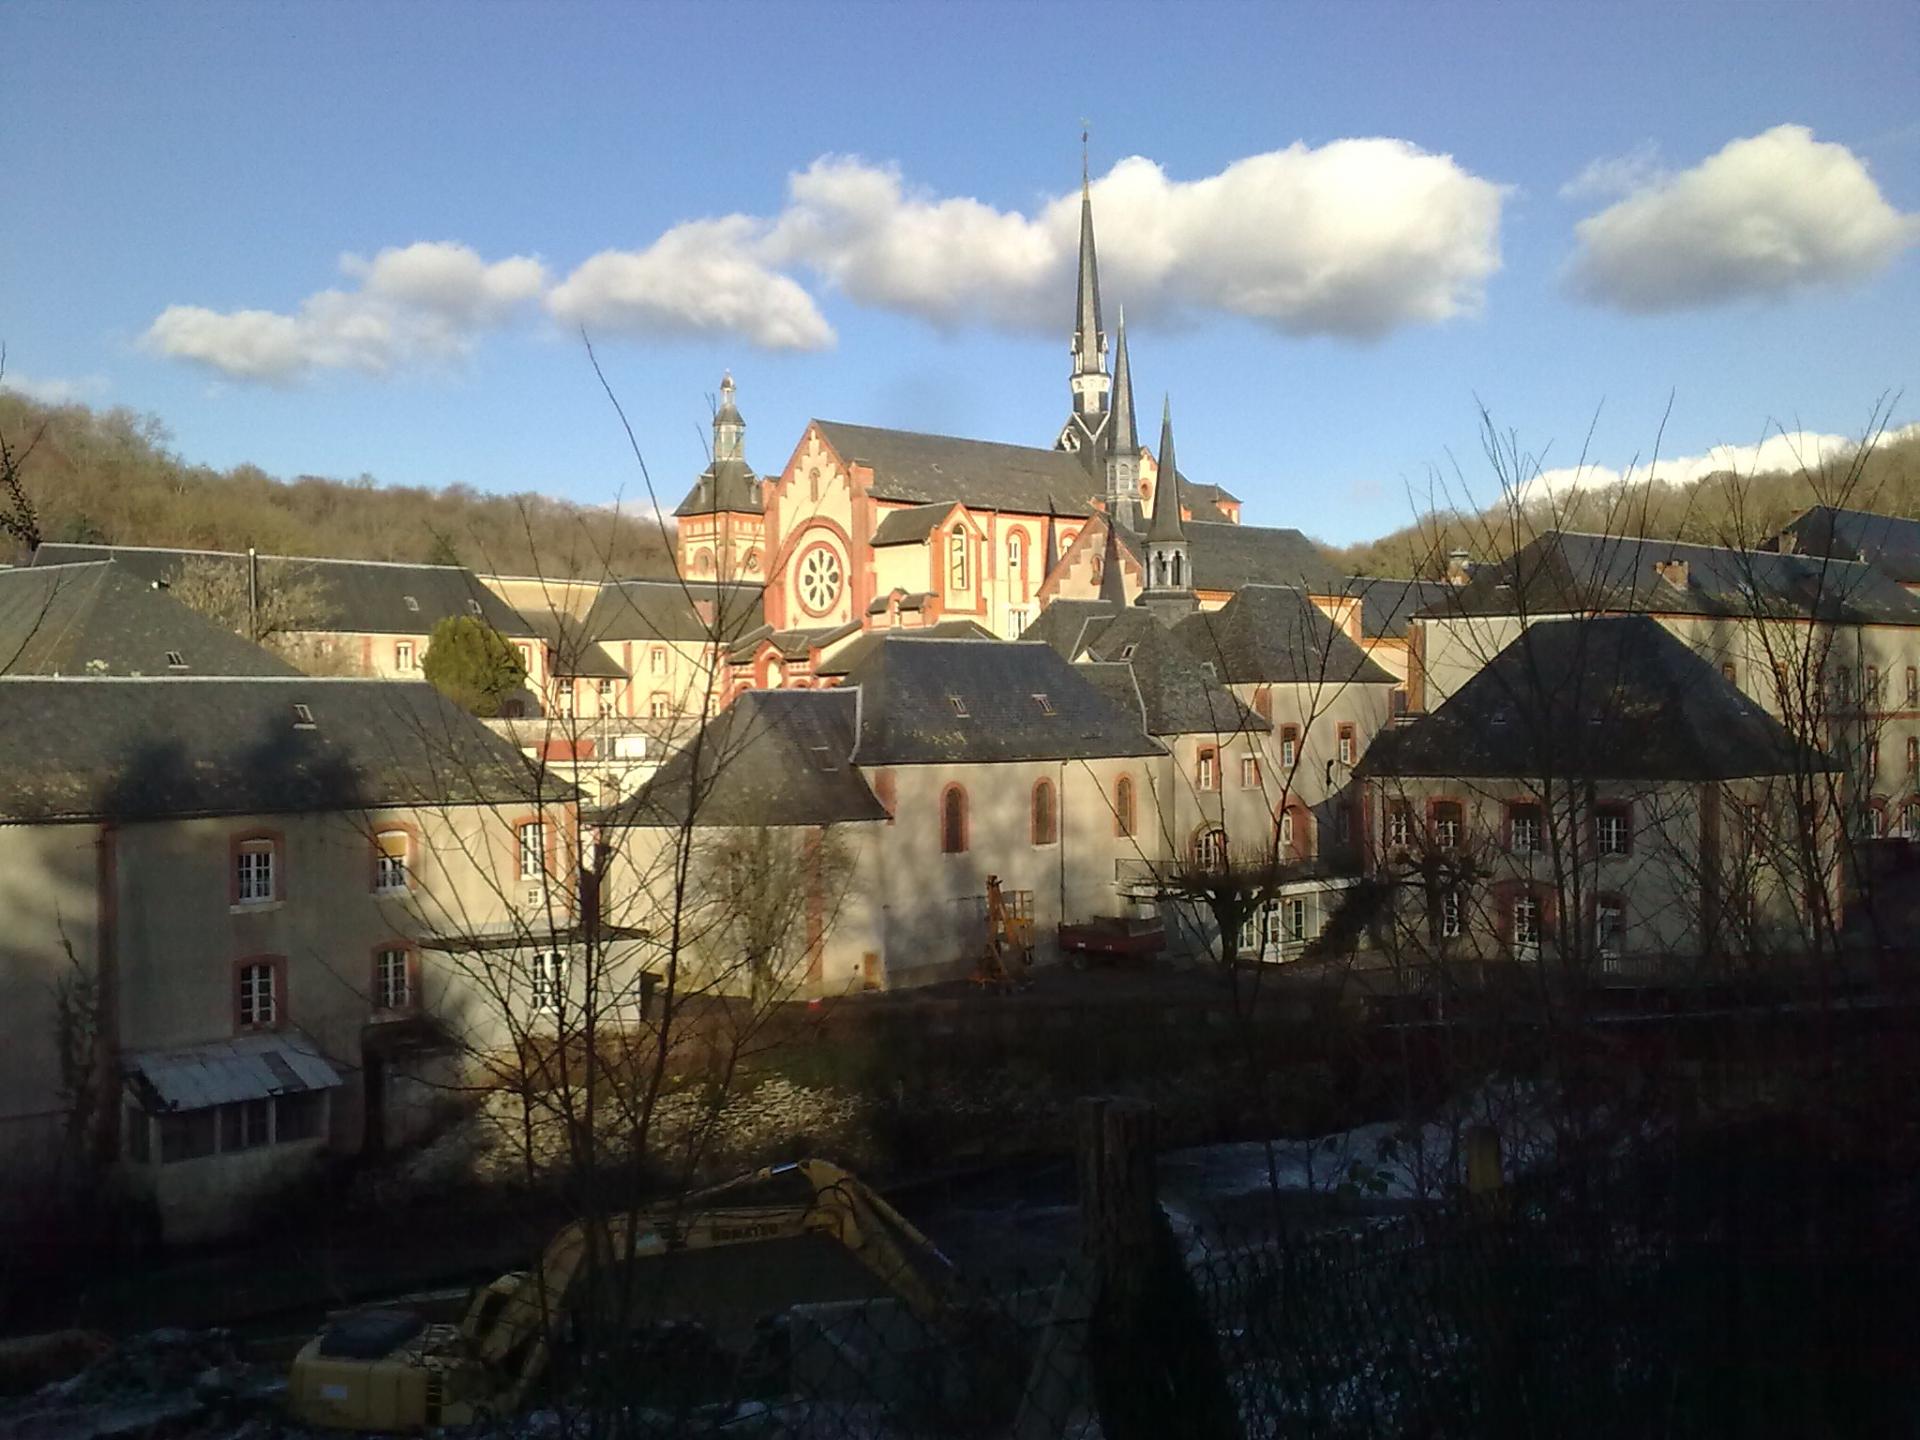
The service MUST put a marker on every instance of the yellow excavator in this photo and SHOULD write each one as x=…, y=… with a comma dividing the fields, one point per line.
x=391, y=1370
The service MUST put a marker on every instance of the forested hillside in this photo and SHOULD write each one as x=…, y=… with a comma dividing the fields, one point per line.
x=1715, y=510
x=110, y=476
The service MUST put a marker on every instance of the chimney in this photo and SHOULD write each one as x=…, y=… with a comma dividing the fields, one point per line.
x=1674, y=572
x=1459, y=567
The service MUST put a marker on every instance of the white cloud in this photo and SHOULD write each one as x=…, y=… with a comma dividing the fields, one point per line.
x=1355, y=238
x=53, y=389
x=706, y=276
x=1764, y=216
x=1789, y=450
x=422, y=303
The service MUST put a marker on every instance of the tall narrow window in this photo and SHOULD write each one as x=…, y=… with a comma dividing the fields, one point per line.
x=1206, y=769
x=1612, y=830
x=253, y=877
x=403, y=655
x=1210, y=849
x=1526, y=925
x=1046, y=820
x=1348, y=744
x=1446, y=824
x=1399, y=825
x=606, y=697
x=1913, y=754
x=1609, y=927
x=549, y=981
x=1449, y=914
x=657, y=660
x=390, y=861
x=1123, y=806
x=1249, y=772
x=1871, y=692
x=393, y=979
x=957, y=560
x=259, y=997
x=533, y=850
x=1523, y=829
x=1016, y=553
x=1289, y=747
x=1286, y=830
x=953, y=821
x=1913, y=687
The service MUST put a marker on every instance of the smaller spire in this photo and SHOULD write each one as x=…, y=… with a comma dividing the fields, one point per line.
x=1113, y=585
x=729, y=430
x=1167, y=521
x=1052, y=542
x=1125, y=434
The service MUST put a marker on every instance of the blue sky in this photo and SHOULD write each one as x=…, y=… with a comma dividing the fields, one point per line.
x=1347, y=223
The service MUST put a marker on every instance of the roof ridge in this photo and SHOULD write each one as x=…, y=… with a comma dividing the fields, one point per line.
x=258, y=555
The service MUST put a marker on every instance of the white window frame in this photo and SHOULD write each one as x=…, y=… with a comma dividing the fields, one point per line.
x=1526, y=926
x=1206, y=769
x=536, y=852
x=1346, y=746
x=256, y=865
x=1249, y=772
x=1399, y=825
x=393, y=983
x=1607, y=937
x=392, y=874
x=606, y=696
x=1612, y=834
x=659, y=707
x=1528, y=816
x=1449, y=914
x=403, y=655
x=549, y=977
x=259, y=1006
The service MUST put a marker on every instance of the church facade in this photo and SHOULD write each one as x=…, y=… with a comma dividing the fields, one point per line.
x=867, y=528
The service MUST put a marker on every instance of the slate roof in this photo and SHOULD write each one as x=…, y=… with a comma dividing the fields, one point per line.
x=773, y=757
x=1564, y=571
x=1275, y=635
x=97, y=619
x=1387, y=605
x=363, y=596
x=1065, y=624
x=1204, y=500
x=1891, y=542
x=910, y=526
x=574, y=649
x=792, y=644
x=1614, y=698
x=1177, y=693
x=847, y=656
x=1226, y=556
x=981, y=474
x=908, y=716
x=146, y=749
x=673, y=609
x=728, y=486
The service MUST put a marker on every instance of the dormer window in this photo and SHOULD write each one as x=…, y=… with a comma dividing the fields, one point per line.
x=412, y=604
x=175, y=660
x=959, y=706
x=473, y=606
x=1126, y=652
x=303, y=718
x=1046, y=705
x=822, y=758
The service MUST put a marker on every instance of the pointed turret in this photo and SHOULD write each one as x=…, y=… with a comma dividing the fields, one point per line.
x=1123, y=439
x=1169, y=591
x=729, y=430
x=722, y=521
x=1085, y=430
x=1113, y=584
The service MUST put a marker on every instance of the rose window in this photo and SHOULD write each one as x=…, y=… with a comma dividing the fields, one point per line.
x=819, y=579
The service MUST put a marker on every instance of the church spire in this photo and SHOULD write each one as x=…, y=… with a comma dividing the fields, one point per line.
x=1123, y=440
x=1169, y=591
x=1085, y=430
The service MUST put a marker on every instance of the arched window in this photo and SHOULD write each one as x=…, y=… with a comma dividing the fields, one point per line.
x=1016, y=553
x=953, y=821
x=703, y=562
x=1123, y=806
x=1210, y=849
x=957, y=560
x=1176, y=569
x=1046, y=818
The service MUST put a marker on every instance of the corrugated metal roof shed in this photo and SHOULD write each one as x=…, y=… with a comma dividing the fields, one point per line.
x=249, y=1067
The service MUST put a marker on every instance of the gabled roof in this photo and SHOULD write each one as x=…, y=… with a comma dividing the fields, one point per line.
x=672, y=609
x=794, y=644
x=362, y=596
x=1612, y=698
x=1275, y=635
x=147, y=749
x=910, y=526
x=851, y=654
x=1065, y=624
x=1178, y=695
x=96, y=619
x=909, y=715
x=1387, y=605
x=1562, y=572
x=1891, y=542
x=575, y=652
x=981, y=474
x=1205, y=500
x=773, y=757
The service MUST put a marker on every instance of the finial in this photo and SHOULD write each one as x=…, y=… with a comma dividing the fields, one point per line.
x=1084, y=127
